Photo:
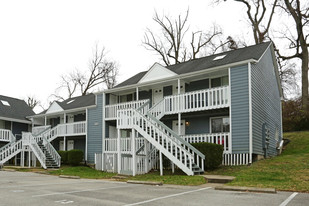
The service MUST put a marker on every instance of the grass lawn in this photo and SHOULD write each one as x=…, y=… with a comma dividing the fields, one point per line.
x=178, y=178
x=289, y=171
x=82, y=171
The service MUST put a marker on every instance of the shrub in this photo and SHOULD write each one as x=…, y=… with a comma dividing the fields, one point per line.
x=64, y=156
x=294, y=118
x=75, y=156
x=213, y=154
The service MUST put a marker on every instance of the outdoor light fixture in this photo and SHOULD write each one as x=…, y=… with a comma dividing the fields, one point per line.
x=187, y=123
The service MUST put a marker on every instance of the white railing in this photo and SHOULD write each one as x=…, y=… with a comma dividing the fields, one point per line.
x=69, y=129
x=223, y=139
x=125, y=144
x=171, y=145
x=6, y=135
x=39, y=129
x=51, y=150
x=29, y=139
x=10, y=151
x=111, y=110
x=207, y=99
x=110, y=145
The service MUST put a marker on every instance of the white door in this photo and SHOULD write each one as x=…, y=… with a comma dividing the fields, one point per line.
x=157, y=95
x=182, y=127
x=70, y=118
x=61, y=145
x=182, y=88
x=70, y=144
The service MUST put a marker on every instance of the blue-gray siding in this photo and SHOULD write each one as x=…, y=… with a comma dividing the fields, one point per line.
x=94, y=129
x=240, y=109
x=265, y=103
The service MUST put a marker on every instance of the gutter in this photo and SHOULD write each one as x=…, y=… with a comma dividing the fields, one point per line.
x=186, y=75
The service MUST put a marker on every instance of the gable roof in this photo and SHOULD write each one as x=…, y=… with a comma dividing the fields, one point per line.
x=14, y=109
x=157, y=71
x=254, y=52
x=71, y=103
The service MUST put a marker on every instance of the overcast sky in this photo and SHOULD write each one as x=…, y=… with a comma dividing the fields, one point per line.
x=41, y=40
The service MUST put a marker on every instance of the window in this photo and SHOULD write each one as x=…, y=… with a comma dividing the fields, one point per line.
x=6, y=103
x=219, y=57
x=219, y=82
x=220, y=125
x=69, y=102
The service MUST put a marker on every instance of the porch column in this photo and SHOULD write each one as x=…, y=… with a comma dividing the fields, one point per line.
x=22, y=158
x=161, y=163
x=147, y=155
x=45, y=120
x=119, y=151
x=64, y=137
x=137, y=96
x=179, y=114
x=133, y=153
x=86, y=138
x=64, y=143
x=29, y=157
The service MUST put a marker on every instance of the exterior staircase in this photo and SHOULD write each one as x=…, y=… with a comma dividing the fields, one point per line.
x=50, y=161
x=181, y=153
x=39, y=145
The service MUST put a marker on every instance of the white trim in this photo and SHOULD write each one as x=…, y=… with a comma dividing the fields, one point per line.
x=103, y=127
x=250, y=114
x=15, y=120
x=147, y=78
x=230, y=108
x=66, y=111
x=86, y=138
x=186, y=75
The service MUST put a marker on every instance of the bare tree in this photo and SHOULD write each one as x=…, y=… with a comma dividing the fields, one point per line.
x=171, y=45
x=32, y=101
x=298, y=43
x=101, y=71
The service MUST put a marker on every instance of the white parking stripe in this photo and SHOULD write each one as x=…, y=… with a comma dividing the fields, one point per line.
x=77, y=191
x=168, y=196
x=286, y=202
x=65, y=183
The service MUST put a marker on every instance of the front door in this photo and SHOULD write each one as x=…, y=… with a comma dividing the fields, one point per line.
x=61, y=145
x=157, y=95
x=70, y=145
x=182, y=127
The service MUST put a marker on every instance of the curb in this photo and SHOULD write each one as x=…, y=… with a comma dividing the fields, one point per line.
x=247, y=189
x=144, y=182
x=69, y=177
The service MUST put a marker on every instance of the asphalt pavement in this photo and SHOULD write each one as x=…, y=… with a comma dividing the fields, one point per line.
x=25, y=188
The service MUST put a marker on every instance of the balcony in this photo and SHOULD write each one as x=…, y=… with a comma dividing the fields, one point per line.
x=111, y=110
x=207, y=99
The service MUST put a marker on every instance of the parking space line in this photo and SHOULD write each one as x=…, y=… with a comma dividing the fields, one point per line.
x=81, y=182
x=168, y=196
x=77, y=191
x=286, y=202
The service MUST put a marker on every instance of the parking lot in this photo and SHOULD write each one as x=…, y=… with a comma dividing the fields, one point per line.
x=20, y=188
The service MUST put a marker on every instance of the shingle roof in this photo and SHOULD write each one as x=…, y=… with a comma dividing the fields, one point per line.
x=133, y=80
x=234, y=56
x=78, y=102
x=17, y=109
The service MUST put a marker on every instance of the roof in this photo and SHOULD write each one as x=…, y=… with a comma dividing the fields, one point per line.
x=78, y=102
x=13, y=108
x=73, y=103
x=254, y=52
